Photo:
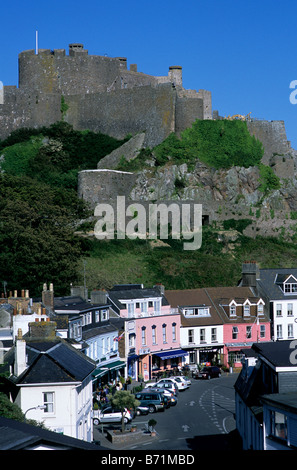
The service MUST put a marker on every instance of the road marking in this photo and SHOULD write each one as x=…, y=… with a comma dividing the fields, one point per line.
x=185, y=428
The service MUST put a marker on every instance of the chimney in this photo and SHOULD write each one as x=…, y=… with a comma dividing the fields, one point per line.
x=20, y=361
x=48, y=296
x=42, y=330
x=250, y=274
x=160, y=287
x=99, y=297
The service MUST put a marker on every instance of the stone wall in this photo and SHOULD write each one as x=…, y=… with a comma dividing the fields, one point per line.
x=102, y=95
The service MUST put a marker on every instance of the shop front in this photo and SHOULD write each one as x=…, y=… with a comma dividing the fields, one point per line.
x=167, y=361
x=108, y=373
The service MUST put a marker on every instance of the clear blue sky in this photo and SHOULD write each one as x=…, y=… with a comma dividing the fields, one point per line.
x=244, y=52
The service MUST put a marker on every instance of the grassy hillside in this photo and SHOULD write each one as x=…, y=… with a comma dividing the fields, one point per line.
x=40, y=212
x=214, y=264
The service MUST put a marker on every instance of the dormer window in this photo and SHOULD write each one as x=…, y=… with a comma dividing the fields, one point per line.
x=202, y=311
x=233, y=310
x=260, y=309
x=287, y=283
x=290, y=287
x=246, y=310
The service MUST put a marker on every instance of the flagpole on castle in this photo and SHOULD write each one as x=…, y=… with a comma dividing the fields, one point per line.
x=36, y=42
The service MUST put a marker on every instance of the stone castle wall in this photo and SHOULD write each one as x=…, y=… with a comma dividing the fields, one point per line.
x=101, y=94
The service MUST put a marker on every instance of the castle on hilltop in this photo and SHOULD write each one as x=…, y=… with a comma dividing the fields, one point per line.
x=99, y=93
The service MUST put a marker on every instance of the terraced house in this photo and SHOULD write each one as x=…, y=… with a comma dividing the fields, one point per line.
x=217, y=322
x=152, y=330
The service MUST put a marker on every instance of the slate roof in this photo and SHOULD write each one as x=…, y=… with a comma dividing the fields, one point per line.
x=277, y=353
x=213, y=297
x=133, y=292
x=74, y=303
x=15, y=435
x=194, y=298
x=267, y=285
x=53, y=362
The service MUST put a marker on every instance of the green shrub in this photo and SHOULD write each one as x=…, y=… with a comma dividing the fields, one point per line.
x=268, y=179
x=220, y=144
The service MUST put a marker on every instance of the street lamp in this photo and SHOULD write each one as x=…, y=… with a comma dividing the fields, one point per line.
x=38, y=407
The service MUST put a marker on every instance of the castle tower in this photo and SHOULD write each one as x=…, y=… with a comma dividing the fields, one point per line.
x=175, y=75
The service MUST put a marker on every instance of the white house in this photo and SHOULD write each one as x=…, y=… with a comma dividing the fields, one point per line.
x=201, y=333
x=52, y=382
x=279, y=288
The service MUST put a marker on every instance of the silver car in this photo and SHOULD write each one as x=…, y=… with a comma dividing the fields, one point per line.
x=110, y=415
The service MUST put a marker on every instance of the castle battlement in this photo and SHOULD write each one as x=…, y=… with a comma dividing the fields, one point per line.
x=101, y=95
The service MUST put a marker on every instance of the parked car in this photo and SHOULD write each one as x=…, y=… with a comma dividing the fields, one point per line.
x=181, y=385
x=155, y=401
x=210, y=372
x=187, y=380
x=171, y=397
x=182, y=381
x=108, y=414
x=139, y=410
x=168, y=382
x=170, y=387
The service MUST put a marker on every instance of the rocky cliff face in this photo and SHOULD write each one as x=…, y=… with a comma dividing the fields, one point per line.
x=224, y=194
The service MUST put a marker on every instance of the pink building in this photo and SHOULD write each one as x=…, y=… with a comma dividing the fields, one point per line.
x=152, y=331
x=244, y=318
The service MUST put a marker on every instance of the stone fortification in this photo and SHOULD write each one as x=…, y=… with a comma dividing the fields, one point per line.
x=101, y=94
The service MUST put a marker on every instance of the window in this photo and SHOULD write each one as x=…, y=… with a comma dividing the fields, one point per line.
x=262, y=331
x=249, y=332
x=191, y=336
x=173, y=331
x=143, y=336
x=290, y=330
x=48, y=401
x=279, y=331
x=197, y=312
x=131, y=340
x=164, y=333
x=260, y=309
x=143, y=307
x=97, y=316
x=234, y=332
x=202, y=335
x=154, y=337
x=278, y=423
x=130, y=310
x=157, y=306
x=213, y=335
x=232, y=310
x=278, y=310
x=290, y=288
x=104, y=314
x=246, y=310
x=290, y=310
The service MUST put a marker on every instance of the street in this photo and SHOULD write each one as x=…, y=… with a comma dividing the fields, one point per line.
x=202, y=419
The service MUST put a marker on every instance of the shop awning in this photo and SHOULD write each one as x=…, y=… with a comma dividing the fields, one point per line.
x=171, y=354
x=103, y=369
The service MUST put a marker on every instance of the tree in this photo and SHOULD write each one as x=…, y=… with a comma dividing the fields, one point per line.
x=122, y=400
